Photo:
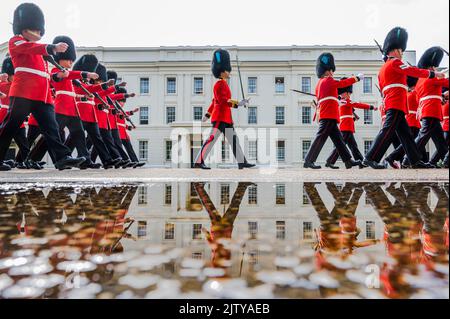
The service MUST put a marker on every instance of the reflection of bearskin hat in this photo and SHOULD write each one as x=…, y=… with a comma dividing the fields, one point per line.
x=7, y=66
x=70, y=54
x=348, y=89
x=221, y=62
x=28, y=16
x=397, y=38
x=325, y=63
x=412, y=81
x=87, y=63
x=112, y=75
x=102, y=73
x=431, y=58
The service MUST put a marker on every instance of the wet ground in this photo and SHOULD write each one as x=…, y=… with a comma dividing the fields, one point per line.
x=224, y=240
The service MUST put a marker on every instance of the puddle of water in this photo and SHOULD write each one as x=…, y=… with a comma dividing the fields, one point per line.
x=224, y=240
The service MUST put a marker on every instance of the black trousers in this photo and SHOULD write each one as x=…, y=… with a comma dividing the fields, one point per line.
x=22, y=142
x=109, y=144
x=349, y=139
x=399, y=153
x=395, y=124
x=76, y=130
x=218, y=129
x=437, y=156
x=118, y=142
x=19, y=109
x=129, y=148
x=328, y=129
x=94, y=139
x=33, y=133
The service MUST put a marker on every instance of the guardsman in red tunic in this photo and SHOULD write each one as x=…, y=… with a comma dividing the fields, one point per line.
x=445, y=126
x=328, y=112
x=67, y=114
x=393, y=83
x=429, y=112
x=86, y=105
x=220, y=113
x=21, y=137
x=347, y=125
x=30, y=91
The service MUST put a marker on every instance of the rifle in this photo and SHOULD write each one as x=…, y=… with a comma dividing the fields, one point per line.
x=119, y=108
x=101, y=99
x=381, y=50
x=240, y=79
x=77, y=83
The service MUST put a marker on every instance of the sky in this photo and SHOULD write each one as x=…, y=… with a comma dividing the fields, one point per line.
x=139, y=23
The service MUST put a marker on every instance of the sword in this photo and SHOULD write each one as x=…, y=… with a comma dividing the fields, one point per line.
x=240, y=79
x=304, y=93
x=381, y=49
x=118, y=107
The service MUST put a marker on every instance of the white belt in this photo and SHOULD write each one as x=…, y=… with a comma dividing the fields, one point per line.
x=106, y=111
x=446, y=117
x=72, y=94
x=431, y=97
x=87, y=102
x=4, y=106
x=413, y=112
x=395, y=85
x=33, y=71
x=346, y=117
x=122, y=125
x=330, y=98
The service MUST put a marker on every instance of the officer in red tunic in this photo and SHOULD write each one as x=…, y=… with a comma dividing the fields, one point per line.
x=30, y=90
x=328, y=112
x=429, y=97
x=347, y=125
x=21, y=137
x=86, y=105
x=445, y=126
x=220, y=113
x=393, y=82
x=67, y=114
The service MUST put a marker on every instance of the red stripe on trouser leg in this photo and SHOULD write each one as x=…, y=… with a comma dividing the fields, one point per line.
x=205, y=147
x=388, y=133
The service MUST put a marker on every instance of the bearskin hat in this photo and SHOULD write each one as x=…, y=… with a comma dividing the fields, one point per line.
x=70, y=54
x=112, y=75
x=102, y=72
x=325, y=63
x=431, y=58
x=221, y=62
x=28, y=16
x=348, y=89
x=7, y=66
x=397, y=38
x=87, y=63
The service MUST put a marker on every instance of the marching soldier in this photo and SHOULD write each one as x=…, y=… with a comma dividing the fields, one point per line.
x=220, y=113
x=445, y=126
x=328, y=112
x=347, y=125
x=393, y=83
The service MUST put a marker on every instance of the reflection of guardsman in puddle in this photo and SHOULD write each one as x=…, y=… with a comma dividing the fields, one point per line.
x=338, y=233
x=414, y=234
x=221, y=226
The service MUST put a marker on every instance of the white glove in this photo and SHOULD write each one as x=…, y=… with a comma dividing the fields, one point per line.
x=361, y=76
x=206, y=118
x=244, y=102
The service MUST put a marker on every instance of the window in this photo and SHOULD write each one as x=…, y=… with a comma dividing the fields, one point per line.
x=169, y=231
x=367, y=86
x=171, y=114
x=370, y=230
x=279, y=85
x=253, y=229
x=225, y=151
x=168, y=195
x=224, y=194
x=367, y=146
x=168, y=151
x=144, y=86
x=171, y=85
x=252, y=115
x=280, y=191
x=306, y=84
x=368, y=117
x=281, y=151
x=253, y=195
x=142, y=229
x=253, y=150
x=252, y=85
x=142, y=195
x=280, y=115
x=198, y=255
x=306, y=115
x=198, y=86
x=198, y=113
x=144, y=115
x=307, y=230
x=305, y=200
x=281, y=230
x=306, y=145
x=197, y=231
x=143, y=151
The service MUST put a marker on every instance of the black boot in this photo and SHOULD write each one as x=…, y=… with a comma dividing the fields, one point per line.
x=311, y=165
x=373, y=164
x=246, y=165
x=329, y=165
x=30, y=164
x=10, y=163
x=69, y=162
x=21, y=165
x=351, y=163
x=137, y=165
x=391, y=163
x=201, y=166
x=421, y=165
x=4, y=167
